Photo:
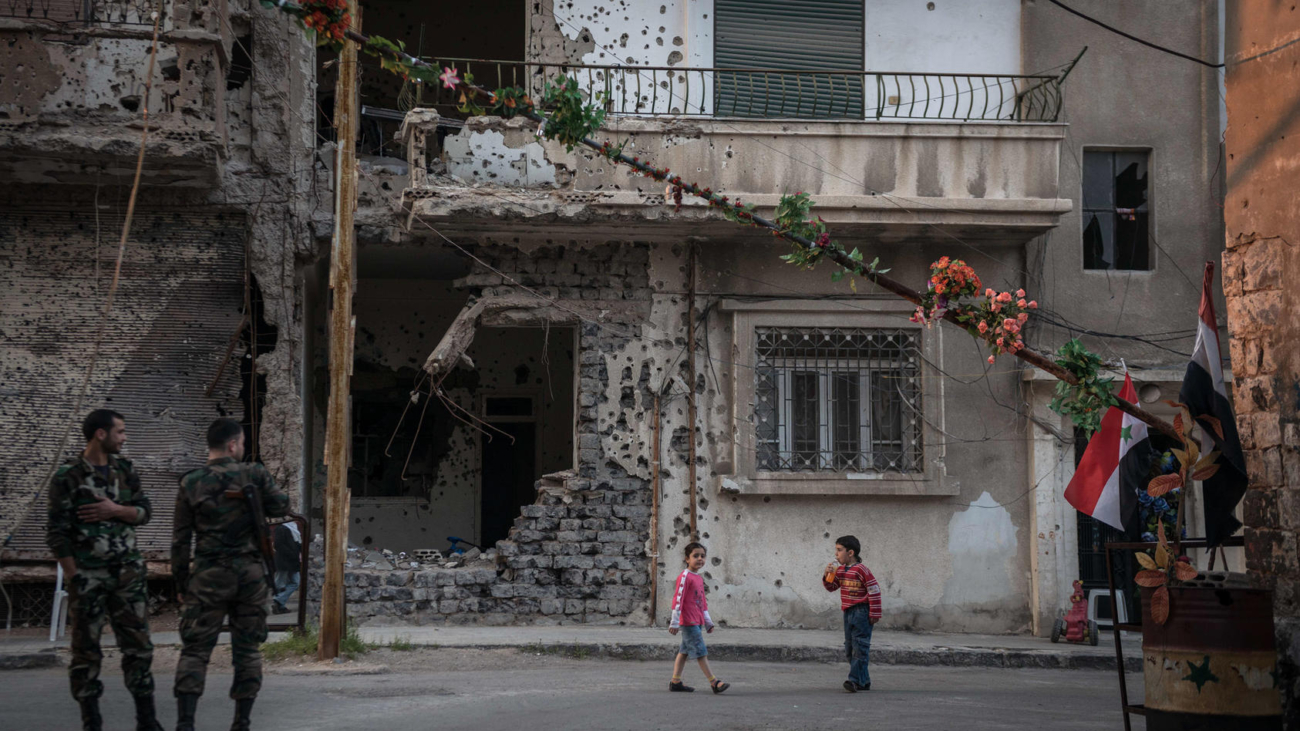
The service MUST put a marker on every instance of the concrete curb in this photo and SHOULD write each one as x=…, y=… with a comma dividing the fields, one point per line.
x=930, y=657
x=30, y=660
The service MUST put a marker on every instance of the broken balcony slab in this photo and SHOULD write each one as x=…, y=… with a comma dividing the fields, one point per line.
x=897, y=183
x=74, y=114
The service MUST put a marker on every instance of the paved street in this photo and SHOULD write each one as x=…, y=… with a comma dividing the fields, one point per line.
x=508, y=689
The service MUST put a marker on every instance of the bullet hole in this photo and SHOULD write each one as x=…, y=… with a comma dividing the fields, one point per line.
x=777, y=583
x=130, y=103
x=367, y=541
x=767, y=499
x=826, y=535
x=929, y=6
x=717, y=561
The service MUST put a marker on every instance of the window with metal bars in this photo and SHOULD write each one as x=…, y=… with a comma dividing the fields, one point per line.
x=838, y=400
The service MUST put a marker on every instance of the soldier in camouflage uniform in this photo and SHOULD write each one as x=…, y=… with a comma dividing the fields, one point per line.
x=228, y=578
x=95, y=504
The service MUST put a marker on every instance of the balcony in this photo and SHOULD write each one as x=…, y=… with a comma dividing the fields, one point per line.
x=890, y=155
x=74, y=108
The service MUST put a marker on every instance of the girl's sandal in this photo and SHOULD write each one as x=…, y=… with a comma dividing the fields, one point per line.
x=719, y=686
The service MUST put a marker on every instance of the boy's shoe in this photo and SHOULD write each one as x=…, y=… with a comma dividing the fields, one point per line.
x=853, y=687
x=718, y=686
x=680, y=687
x=278, y=608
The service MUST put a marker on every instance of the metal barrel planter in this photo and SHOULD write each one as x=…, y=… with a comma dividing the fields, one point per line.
x=1213, y=664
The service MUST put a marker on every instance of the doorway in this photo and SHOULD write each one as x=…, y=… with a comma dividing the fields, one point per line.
x=509, y=468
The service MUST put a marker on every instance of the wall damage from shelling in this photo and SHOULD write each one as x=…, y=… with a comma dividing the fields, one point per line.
x=500, y=230
x=521, y=309
x=207, y=320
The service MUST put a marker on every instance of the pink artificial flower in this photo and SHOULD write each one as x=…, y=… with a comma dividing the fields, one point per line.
x=991, y=360
x=450, y=78
x=989, y=293
x=1004, y=297
x=1020, y=293
x=1020, y=302
x=1033, y=304
x=996, y=307
x=983, y=328
x=1022, y=316
x=1008, y=322
x=1000, y=342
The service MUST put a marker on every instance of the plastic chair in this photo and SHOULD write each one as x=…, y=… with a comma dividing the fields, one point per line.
x=1096, y=595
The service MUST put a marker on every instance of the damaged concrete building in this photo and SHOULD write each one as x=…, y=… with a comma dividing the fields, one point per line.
x=524, y=375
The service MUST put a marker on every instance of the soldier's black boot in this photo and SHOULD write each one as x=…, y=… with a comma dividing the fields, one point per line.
x=146, y=718
x=186, y=704
x=90, y=718
x=243, y=711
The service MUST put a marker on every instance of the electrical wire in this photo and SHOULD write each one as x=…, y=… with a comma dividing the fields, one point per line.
x=1146, y=43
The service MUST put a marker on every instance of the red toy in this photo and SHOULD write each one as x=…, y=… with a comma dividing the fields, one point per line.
x=1075, y=625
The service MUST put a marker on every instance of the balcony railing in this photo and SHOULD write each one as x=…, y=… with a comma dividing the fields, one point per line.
x=83, y=12
x=775, y=94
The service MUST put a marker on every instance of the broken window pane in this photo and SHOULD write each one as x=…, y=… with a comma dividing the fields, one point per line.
x=837, y=400
x=1116, y=218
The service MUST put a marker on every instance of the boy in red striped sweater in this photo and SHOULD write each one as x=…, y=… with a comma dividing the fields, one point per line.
x=860, y=600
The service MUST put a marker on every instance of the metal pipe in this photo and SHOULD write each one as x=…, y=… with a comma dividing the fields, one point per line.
x=690, y=393
x=654, y=519
x=1119, y=648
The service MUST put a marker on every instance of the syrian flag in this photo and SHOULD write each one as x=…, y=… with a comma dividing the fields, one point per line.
x=1114, y=467
x=1207, y=400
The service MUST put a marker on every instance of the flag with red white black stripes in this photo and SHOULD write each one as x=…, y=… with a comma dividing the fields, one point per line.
x=1206, y=398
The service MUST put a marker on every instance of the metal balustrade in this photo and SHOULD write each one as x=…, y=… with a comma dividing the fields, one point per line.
x=773, y=93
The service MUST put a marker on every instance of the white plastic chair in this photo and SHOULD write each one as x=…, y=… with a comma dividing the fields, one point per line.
x=1097, y=595
x=59, y=617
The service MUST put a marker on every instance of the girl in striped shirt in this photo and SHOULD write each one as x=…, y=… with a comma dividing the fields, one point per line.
x=860, y=600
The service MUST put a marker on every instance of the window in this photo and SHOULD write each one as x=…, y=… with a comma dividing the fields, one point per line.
x=1116, y=216
x=817, y=44
x=837, y=400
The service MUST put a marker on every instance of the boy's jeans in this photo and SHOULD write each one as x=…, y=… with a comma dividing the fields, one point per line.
x=287, y=583
x=857, y=642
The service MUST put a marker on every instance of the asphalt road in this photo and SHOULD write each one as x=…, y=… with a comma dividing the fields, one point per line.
x=520, y=691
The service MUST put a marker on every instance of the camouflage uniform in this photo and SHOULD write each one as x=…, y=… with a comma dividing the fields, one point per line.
x=228, y=577
x=110, y=583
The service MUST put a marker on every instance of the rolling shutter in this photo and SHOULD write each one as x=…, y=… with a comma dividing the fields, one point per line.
x=796, y=38
x=178, y=301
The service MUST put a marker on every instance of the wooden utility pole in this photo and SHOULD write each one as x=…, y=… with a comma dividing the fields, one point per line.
x=342, y=331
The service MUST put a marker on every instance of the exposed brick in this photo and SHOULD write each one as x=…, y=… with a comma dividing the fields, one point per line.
x=1267, y=430
x=1254, y=312
x=1261, y=266
x=1259, y=507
